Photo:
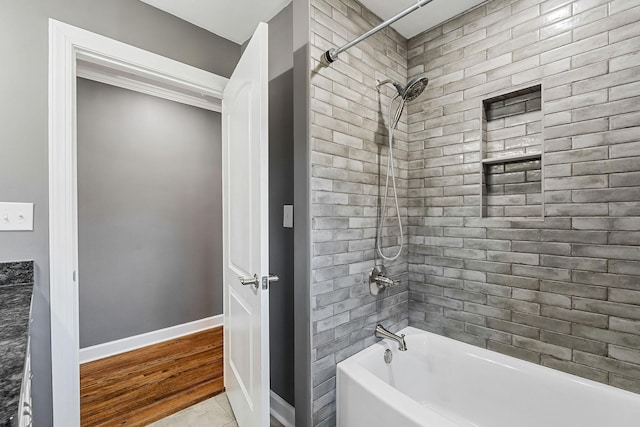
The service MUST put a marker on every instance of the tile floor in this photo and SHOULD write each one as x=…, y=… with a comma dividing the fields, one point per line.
x=214, y=412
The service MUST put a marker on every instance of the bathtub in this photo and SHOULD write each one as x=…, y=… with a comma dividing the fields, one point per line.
x=440, y=382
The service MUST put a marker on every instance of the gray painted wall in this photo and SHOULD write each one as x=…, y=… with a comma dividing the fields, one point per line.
x=24, y=120
x=302, y=200
x=149, y=213
x=281, y=42
x=281, y=250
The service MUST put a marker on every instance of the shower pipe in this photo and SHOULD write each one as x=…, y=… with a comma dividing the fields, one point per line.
x=331, y=55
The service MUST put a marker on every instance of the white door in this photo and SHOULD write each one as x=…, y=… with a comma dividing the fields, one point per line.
x=245, y=185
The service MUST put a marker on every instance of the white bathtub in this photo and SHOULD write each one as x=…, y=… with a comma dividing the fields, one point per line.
x=440, y=382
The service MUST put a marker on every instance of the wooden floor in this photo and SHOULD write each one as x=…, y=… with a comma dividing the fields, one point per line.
x=145, y=385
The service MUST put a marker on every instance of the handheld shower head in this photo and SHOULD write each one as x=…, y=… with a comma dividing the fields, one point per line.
x=412, y=90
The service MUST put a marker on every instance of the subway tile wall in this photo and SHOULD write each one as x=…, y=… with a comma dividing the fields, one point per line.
x=349, y=137
x=563, y=292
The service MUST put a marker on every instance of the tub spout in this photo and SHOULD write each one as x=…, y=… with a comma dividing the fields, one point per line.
x=381, y=332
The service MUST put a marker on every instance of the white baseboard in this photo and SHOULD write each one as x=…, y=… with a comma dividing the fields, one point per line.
x=282, y=411
x=112, y=348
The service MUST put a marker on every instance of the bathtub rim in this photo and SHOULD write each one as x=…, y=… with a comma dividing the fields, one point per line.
x=353, y=367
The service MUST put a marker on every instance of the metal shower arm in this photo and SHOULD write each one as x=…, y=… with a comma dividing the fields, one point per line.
x=332, y=54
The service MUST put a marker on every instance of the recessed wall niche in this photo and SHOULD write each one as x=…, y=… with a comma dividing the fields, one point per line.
x=511, y=155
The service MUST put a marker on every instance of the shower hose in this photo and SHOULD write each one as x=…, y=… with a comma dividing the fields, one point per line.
x=391, y=172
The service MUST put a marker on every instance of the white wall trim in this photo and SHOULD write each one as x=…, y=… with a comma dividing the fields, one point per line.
x=100, y=351
x=101, y=75
x=67, y=46
x=282, y=411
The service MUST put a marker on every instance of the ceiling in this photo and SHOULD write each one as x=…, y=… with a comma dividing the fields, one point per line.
x=236, y=20
x=426, y=17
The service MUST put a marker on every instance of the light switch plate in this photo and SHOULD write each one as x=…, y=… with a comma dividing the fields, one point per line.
x=287, y=216
x=16, y=216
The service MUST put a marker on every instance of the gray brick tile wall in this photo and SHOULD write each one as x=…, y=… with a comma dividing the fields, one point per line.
x=349, y=155
x=561, y=292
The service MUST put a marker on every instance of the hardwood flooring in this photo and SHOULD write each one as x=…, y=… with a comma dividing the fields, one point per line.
x=142, y=386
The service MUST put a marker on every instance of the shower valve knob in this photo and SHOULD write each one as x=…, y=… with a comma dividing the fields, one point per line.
x=378, y=280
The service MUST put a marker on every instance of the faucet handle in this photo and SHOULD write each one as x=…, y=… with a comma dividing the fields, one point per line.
x=378, y=280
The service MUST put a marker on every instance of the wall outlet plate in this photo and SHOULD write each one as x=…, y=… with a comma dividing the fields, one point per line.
x=287, y=216
x=16, y=216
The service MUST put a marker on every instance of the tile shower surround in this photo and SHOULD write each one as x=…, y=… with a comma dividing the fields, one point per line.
x=348, y=137
x=563, y=292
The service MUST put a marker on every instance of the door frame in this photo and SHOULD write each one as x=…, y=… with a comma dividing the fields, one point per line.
x=67, y=46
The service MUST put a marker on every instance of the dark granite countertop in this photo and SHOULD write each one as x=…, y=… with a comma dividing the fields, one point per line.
x=16, y=286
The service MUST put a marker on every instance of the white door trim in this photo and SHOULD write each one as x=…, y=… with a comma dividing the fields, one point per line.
x=103, y=75
x=68, y=45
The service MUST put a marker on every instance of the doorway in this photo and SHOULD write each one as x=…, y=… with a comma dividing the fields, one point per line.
x=149, y=213
x=150, y=254
x=70, y=46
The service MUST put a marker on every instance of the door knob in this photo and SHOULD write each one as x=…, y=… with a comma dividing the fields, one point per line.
x=255, y=281
x=268, y=279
